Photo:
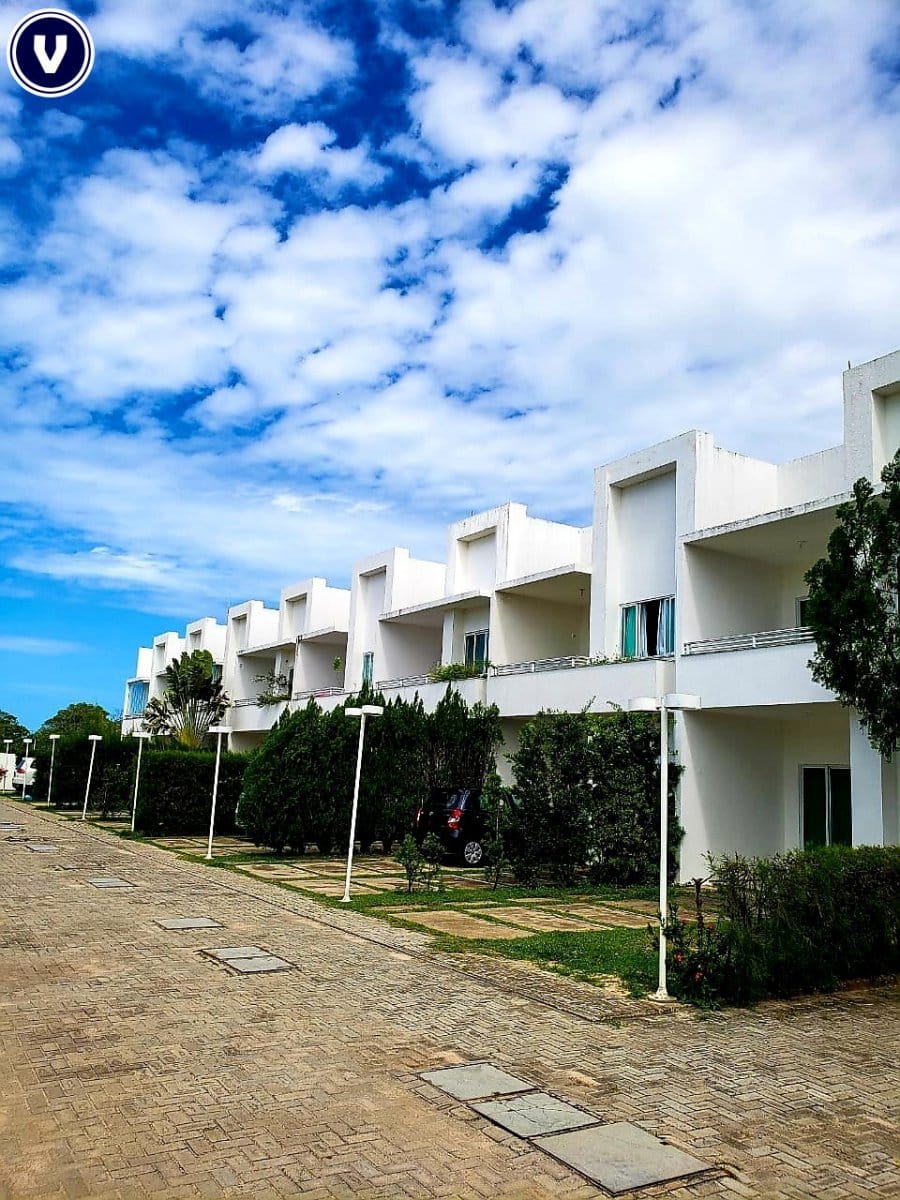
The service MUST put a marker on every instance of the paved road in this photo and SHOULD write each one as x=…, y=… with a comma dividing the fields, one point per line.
x=131, y=1066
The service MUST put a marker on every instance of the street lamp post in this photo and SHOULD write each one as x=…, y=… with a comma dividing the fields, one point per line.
x=367, y=710
x=54, y=738
x=218, y=730
x=673, y=702
x=93, y=738
x=27, y=742
x=141, y=736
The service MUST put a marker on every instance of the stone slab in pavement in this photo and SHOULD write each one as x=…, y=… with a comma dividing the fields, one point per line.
x=620, y=1156
x=189, y=923
x=535, y=1113
x=476, y=1080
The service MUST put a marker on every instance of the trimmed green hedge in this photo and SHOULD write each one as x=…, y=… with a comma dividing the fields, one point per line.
x=798, y=922
x=176, y=791
x=112, y=782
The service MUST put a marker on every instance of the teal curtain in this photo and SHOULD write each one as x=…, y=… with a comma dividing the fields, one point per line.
x=629, y=631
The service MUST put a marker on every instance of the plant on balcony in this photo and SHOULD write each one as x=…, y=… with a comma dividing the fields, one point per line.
x=451, y=672
x=854, y=608
x=193, y=700
x=276, y=689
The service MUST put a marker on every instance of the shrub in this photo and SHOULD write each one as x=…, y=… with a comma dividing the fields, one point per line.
x=798, y=922
x=176, y=791
x=112, y=781
x=585, y=798
x=451, y=672
x=300, y=785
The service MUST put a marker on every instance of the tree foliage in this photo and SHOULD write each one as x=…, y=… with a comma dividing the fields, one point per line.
x=192, y=701
x=11, y=727
x=585, y=798
x=853, y=608
x=299, y=786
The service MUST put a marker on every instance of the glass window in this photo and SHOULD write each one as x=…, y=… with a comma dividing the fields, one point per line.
x=368, y=667
x=477, y=648
x=137, y=698
x=802, y=611
x=648, y=628
x=826, y=807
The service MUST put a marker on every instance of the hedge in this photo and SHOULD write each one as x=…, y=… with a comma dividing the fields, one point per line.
x=799, y=922
x=176, y=791
x=112, y=782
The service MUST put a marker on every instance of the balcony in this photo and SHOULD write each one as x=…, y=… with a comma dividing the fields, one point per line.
x=748, y=670
x=750, y=641
x=545, y=664
x=575, y=682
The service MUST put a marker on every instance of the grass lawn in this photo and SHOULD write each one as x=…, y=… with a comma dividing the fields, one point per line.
x=591, y=957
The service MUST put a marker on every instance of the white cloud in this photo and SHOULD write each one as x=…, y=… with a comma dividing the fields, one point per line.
x=50, y=647
x=310, y=149
x=713, y=261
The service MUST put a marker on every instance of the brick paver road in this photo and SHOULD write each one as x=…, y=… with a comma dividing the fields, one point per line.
x=132, y=1066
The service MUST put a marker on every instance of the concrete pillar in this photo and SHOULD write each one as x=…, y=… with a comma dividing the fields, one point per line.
x=865, y=788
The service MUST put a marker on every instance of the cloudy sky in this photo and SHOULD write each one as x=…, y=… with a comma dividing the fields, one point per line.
x=285, y=283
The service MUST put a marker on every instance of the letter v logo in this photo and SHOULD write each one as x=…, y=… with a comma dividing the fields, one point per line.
x=60, y=45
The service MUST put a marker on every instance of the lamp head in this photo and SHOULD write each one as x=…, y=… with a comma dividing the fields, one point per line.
x=643, y=704
x=681, y=700
x=220, y=729
x=95, y=737
x=353, y=712
x=54, y=737
x=372, y=710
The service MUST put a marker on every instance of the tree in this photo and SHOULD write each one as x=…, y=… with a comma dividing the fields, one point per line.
x=76, y=720
x=192, y=701
x=853, y=608
x=11, y=727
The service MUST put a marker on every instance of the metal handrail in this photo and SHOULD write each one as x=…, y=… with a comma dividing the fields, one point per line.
x=313, y=692
x=544, y=664
x=751, y=641
x=386, y=685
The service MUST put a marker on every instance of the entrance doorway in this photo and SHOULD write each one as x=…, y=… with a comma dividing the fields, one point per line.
x=825, y=806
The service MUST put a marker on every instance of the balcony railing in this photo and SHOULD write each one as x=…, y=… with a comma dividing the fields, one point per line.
x=315, y=692
x=750, y=641
x=545, y=664
x=245, y=703
x=387, y=685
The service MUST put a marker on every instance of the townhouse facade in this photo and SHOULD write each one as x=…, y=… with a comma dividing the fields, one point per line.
x=689, y=579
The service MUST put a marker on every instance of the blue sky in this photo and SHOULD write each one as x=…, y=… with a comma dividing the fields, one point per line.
x=286, y=283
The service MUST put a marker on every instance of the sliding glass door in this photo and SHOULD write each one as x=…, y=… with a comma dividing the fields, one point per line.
x=825, y=806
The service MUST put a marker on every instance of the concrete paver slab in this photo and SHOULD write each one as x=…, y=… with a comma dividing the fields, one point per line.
x=475, y=1081
x=540, y=920
x=535, y=1113
x=259, y=964
x=228, y=952
x=620, y=1156
x=40, y=847
x=110, y=881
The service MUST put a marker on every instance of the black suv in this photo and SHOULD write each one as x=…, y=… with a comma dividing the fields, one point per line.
x=456, y=819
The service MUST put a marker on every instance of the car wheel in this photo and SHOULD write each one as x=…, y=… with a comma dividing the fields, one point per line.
x=472, y=853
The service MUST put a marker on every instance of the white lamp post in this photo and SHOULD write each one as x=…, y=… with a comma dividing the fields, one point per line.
x=93, y=738
x=218, y=730
x=141, y=736
x=54, y=738
x=7, y=742
x=367, y=710
x=27, y=742
x=673, y=702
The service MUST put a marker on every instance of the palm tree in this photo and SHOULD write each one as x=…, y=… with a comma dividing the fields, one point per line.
x=192, y=701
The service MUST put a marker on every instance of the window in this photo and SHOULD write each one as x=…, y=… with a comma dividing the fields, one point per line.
x=216, y=673
x=648, y=628
x=802, y=608
x=137, y=698
x=476, y=648
x=825, y=806
x=368, y=668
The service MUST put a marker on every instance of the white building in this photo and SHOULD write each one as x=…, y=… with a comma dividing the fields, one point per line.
x=690, y=579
